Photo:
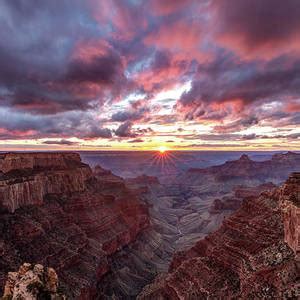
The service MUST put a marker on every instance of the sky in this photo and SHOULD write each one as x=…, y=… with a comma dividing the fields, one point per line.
x=139, y=75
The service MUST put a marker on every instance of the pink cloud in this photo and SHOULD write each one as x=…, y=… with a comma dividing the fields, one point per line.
x=183, y=38
x=169, y=6
x=126, y=20
x=293, y=107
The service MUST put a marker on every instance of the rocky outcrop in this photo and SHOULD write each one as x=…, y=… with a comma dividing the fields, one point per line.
x=43, y=160
x=244, y=171
x=291, y=213
x=225, y=204
x=26, y=178
x=74, y=222
x=32, y=283
x=234, y=201
x=252, y=256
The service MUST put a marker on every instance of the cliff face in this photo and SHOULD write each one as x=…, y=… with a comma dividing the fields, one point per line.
x=254, y=254
x=24, y=161
x=26, y=178
x=291, y=213
x=67, y=217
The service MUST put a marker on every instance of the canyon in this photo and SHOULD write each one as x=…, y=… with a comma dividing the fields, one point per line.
x=109, y=237
x=55, y=212
x=254, y=254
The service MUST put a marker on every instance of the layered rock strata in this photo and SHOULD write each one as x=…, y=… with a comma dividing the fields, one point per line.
x=291, y=213
x=26, y=178
x=69, y=219
x=252, y=256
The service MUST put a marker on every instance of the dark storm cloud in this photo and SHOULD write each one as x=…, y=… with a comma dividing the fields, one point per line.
x=125, y=130
x=228, y=87
x=101, y=69
x=34, y=126
x=40, y=71
x=97, y=132
x=265, y=27
x=122, y=116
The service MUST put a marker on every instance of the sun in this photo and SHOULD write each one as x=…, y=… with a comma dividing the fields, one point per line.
x=162, y=149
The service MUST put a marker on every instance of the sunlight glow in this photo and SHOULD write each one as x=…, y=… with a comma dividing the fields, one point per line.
x=162, y=149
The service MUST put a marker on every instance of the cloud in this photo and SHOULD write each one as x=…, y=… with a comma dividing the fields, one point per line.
x=136, y=141
x=256, y=28
x=213, y=145
x=169, y=6
x=41, y=71
x=137, y=111
x=70, y=69
x=181, y=37
x=60, y=142
x=227, y=89
x=64, y=125
x=125, y=130
x=221, y=137
x=237, y=125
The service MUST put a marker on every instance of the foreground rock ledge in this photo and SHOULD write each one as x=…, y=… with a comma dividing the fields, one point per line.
x=31, y=283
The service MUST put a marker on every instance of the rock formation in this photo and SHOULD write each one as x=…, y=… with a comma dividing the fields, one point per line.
x=64, y=216
x=26, y=178
x=244, y=171
x=291, y=213
x=234, y=200
x=254, y=254
x=32, y=283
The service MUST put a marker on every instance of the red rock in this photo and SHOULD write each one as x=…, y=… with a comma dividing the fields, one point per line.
x=40, y=174
x=245, y=191
x=70, y=220
x=228, y=204
x=247, y=258
x=23, y=161
x=291, y=213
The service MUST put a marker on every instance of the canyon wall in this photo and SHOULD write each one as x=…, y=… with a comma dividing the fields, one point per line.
x=253, y=255
x=66, y=217
x=291, y=213
x=26, y=178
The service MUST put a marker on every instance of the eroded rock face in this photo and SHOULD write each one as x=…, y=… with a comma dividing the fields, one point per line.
x=291, y=213
x=26, y=178
x=42, y=160
x=247, y=258
x=81, y=220
x=234, y=201
x=31, y=283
